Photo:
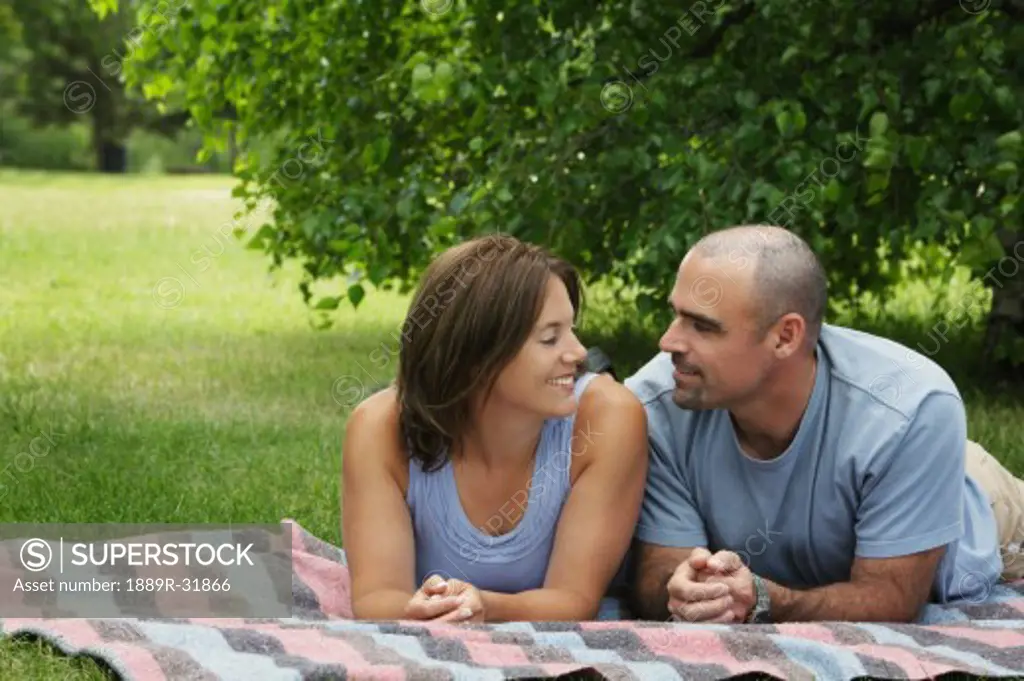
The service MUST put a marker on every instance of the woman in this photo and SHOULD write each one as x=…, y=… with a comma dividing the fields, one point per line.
x=494, y=481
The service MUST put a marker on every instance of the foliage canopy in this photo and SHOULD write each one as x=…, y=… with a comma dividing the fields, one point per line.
x=616, y=133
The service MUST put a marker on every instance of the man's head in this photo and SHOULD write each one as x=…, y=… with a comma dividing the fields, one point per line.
x=748, y=302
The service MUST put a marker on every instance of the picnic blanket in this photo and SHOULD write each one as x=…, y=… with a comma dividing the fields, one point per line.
x=321, y=641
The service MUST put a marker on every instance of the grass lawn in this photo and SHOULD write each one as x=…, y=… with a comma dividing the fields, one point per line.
x=181, y=382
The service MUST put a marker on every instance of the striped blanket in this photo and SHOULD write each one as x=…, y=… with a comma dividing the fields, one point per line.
x=322, y=642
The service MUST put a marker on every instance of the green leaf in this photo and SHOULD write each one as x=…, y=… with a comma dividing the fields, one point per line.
x=984, y=248
x=1010, y=141
x=784, y=122
x=916, y=149
x=443, y=74
x=879, y=124
x=328, y=303
x=832, y=191
x=964, y=106
x=878, y=158
x=1005, y=169
x=422, y=74
x=877, y=182
x=746, y=99
x=356, y=293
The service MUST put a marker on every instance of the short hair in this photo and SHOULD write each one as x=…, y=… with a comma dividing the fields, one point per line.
x=475, y=307
x=788, y=276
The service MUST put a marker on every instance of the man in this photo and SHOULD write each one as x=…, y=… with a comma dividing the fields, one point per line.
x=802, y=471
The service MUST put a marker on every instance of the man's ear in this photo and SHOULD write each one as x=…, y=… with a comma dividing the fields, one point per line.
x=791, y=331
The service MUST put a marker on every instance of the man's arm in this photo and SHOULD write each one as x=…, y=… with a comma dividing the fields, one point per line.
x=879, y=590
x=655, y=566
x=911, y=509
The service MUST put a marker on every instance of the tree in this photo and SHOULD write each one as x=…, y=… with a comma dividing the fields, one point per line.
x=617, y=133
x=70, y=65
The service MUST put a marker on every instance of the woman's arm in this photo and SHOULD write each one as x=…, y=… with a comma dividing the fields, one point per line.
x=376, y=527
x=609, y=447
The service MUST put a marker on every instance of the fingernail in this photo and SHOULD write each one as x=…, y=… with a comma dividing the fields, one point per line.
x=465, y=613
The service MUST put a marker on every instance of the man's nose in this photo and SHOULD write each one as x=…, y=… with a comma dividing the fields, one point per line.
x=673, y=340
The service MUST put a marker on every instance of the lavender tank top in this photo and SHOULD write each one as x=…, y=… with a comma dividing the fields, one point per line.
x=447, y=543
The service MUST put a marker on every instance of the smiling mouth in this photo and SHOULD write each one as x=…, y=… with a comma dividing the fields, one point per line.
x=561, y=381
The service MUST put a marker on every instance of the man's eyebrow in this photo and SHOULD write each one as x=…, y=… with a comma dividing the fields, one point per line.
x=710, y=321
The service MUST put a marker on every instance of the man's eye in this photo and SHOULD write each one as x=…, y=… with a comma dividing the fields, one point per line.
x=702, y=327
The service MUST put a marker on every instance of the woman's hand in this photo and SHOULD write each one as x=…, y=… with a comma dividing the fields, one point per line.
x=470, y=602
x=450, y=600
x=432, y=600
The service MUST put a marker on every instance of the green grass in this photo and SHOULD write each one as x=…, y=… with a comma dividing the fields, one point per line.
x=226, y=407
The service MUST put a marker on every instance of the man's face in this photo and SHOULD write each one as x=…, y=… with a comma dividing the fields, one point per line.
x=720, y=359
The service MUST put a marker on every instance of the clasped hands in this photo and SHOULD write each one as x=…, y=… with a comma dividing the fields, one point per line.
x=442, y=600
x=710, y=587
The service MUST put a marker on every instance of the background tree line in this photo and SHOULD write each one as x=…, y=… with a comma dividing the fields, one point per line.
x=887, y=134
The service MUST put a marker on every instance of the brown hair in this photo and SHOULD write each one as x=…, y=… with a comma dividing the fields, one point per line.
x=475, y=307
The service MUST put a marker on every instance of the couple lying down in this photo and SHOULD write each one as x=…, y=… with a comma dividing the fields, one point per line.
x=763, y=467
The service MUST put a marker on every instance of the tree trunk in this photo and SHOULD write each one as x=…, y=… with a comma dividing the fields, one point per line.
x=108, y=137
x=111, y=157
x=1006, y=318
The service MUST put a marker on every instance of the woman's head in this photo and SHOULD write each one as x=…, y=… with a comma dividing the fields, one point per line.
x=492, y=319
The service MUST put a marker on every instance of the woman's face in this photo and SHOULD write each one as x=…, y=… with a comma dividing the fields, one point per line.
x=541, y=377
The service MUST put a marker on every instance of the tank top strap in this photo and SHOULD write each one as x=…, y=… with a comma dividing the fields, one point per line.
x=582, y=382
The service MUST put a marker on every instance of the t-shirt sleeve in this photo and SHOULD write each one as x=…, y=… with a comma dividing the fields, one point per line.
x=669, y=514
x=913, y=496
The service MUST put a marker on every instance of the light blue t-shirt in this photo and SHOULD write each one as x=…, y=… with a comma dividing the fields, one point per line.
x=877, y=469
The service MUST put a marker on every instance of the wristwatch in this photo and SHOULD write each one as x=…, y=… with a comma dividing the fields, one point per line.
x=761, y=612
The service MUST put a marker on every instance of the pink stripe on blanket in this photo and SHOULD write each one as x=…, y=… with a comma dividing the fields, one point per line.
x=910, y=663
x=329, y=581
x=314, y=645
x=813, y=632
x=1000, y=638
x=496, y=654
x=695, y=645
x=138, y=660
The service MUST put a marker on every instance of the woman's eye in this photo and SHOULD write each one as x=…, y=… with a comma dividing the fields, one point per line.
x=549, y=341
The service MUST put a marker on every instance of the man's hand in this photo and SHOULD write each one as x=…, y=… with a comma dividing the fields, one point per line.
x=694, y=599
x=711, y=588
x=725, y=567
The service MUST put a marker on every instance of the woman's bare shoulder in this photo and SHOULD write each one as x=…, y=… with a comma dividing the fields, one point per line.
x=610, y=423
x=373, y=435
x=604, y=396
